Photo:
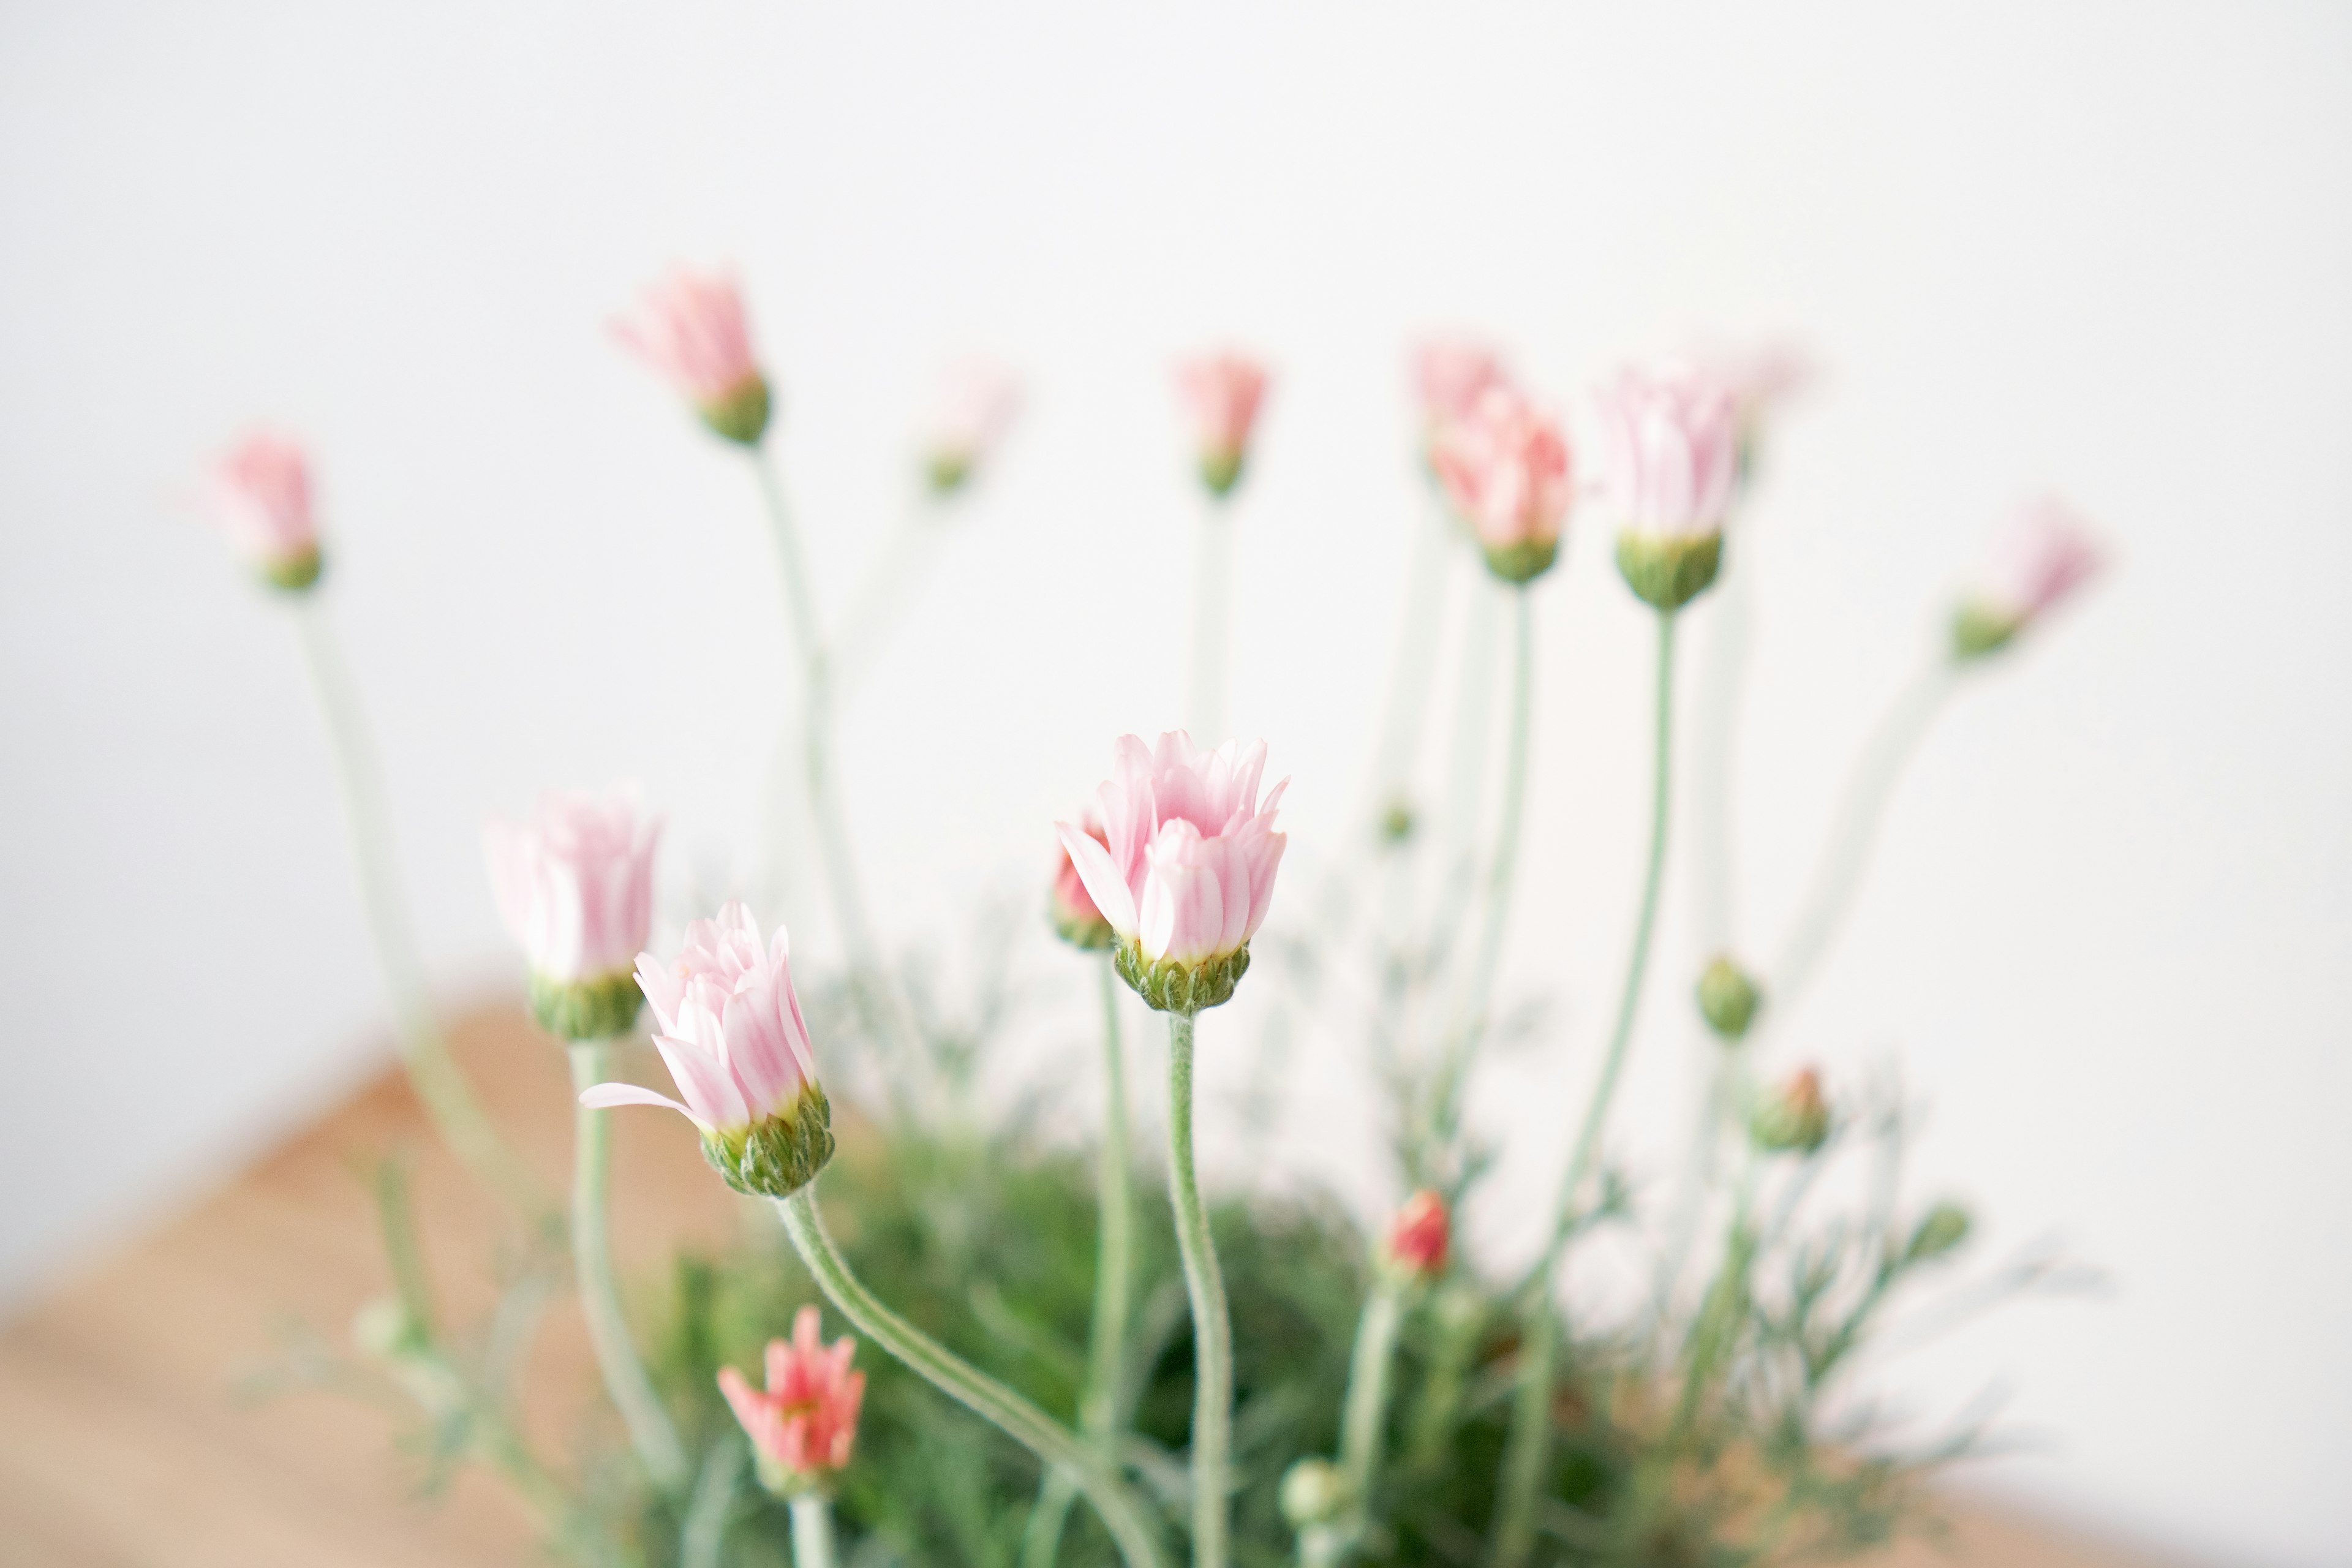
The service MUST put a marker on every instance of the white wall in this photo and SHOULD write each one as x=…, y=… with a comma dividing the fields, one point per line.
x=2103, y=247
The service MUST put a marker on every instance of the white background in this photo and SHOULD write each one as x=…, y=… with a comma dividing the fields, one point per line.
x=2105, y=248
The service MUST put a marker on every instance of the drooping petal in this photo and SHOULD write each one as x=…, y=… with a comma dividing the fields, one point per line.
x=1102, y=879
x=605, y=1096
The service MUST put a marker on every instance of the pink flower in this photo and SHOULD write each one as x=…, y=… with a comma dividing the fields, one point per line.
x=1219, y=393
x=804, y=1423
x=575, y=883
x=1075, y=918
x=1761, y=376
x=2046, y=552
x=972, y=409
x=1452, y=375
x=730, y=1028
x=1184, y=871
x=1421, y=1235
x=1505, y=467
x=260, y=492
x=1669, y=450
x=689, y=328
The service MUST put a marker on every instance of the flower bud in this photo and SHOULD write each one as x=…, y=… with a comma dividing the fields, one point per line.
x=1505, y=467
x=689, y=328
x=575, y=886
x=1669, y=458
x=1075, y=918
x=260, y=493
x=1940, y=1230
x=1727, y=998
x=971, y=410
x=1420, y=1237
x=1794, y=1118
x=804, y=1423
x=2046, y=553
x=1219, y=394
x=1313, y=1493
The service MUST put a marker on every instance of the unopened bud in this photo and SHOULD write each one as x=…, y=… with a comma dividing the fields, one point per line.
x=1792, y=1119
x=1727, y=998
x=1397, y=822
x=1940, y=1230
x=1420, y=1237
x=1313, y=1493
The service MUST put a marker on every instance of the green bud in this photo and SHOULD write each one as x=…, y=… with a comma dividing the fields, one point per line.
x=1221, y=471
x=294, y=574
x=947, y=472
x=742, y=414
x=777, y=1155
x=1727, y=998
x=1940, y=1231
x=1792, y=1119
x=1172, y=987
x=1978, y=629
x=602, y=1007
x=1522, y=562
x=1668, y=569
x=1397, y=822
x=1313, y=1493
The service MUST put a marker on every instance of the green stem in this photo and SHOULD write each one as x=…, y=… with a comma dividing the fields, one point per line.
x=1526, y=1449
x=1204, y=707
x=1213, y=1330
x=812, y=1530
x=1114, y=1272
x=1364, y=1418
x=1415, y=663
x=650, y=1430
x=1023, y=1421
x=440, y=1087
x=892, y=575
x=703, y=1542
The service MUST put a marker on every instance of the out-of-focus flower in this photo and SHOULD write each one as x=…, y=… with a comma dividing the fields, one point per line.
x=1727, y=998
x=1940, y=1230
x=803, y=1424
x=1792, y=1118
x=1669, y=453
x=689, y=327
x=1450, y=376
x=2045, y=555
x=972, y=409
x=1219, y=393
x=1075, y=918
x=731, y=1030
x=1420, y=1237
x=575, y=885
x=260, y=493
x=1505, y=466
x=1762, y=378
x=1185, y=870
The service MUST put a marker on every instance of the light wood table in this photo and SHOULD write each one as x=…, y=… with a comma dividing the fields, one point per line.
x=123, y=1442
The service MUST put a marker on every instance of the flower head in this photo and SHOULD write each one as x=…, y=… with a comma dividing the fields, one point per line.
x=1420, y=1237
x=1669, y=455
x=1792, y=1118
x=1505, y=466
x=1450, y=375
x=803, y=1424
x=1762, y=378
x=2045, y=555
x=1076, y=921
x=260, y=492
x=729, y=1026
x=689, y=328
x=575, y=886
x=971, y=411
x=1219, y=393
x=1185, y=870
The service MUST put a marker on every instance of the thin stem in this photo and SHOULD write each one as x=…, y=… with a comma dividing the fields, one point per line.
x=1023, y=1421
x=1114, y=1274
x=896, y=570
x=1715, y=739
x=650, y=1430
x=1212, y=569
x=1416, y=662
x=1854, y=829
x=1213, y=1330
x=1527, y=1446
x=704, y=1538
x=812, y=1530
x=1363, y=1421
x=440, y=1087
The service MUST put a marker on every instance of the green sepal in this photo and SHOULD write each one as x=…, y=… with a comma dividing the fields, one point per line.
x=294, y=574
x=1523, y=562
x=1978, y=629
x=1728, y=999
x=1941, y=1229
x=741, y=416
x=777, y=1155
x=602, y=1007
x=1091, y=933
x=1172, y=987
x=1221, y=471
x=1669, y=569
x=947, y=472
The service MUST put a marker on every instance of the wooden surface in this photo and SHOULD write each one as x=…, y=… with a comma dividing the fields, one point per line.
x=123, y=1440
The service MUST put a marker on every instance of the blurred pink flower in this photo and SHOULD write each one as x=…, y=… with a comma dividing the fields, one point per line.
x=2045, y=553
x=689, y=328
x=803, y=1425
x=575, y=883
x=729, y=1028
x=1450, y=375
x=1185, y=867
x=1219, y=393
x=1505, y=466
x=1421, y=1235
x=1075, y=918
x=972, y=409
x=1669, y=450
x=260, y=493
x=1760, y=377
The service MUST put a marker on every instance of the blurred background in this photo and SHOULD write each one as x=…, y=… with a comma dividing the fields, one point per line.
x=2100, y=247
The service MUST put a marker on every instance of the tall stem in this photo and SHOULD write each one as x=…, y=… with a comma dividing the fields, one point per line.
x=812, y=1530
x=1213, y=569
x=442, y=1090
x=1021, y=1420
x=650, y=1430
x=1114, y=1272
x=703, y=1542
x=1363, y=1421
x=1415, y=663
x=1213, y=1330
x=1527, y=1448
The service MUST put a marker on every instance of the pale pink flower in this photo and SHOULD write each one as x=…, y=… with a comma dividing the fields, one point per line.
x=260, y=493
x=689, y=328
x=575, y=883
x=2045, y=553
x=972, y=409
x=803, y=1424
x=1421, y=1235
x=1219, y=393
x=729, y=1028
x=1075, y=918
x=1186, y=866
x=1505, y=466
x=1452, y=375
x=1761, y=376
x=1669, y=439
